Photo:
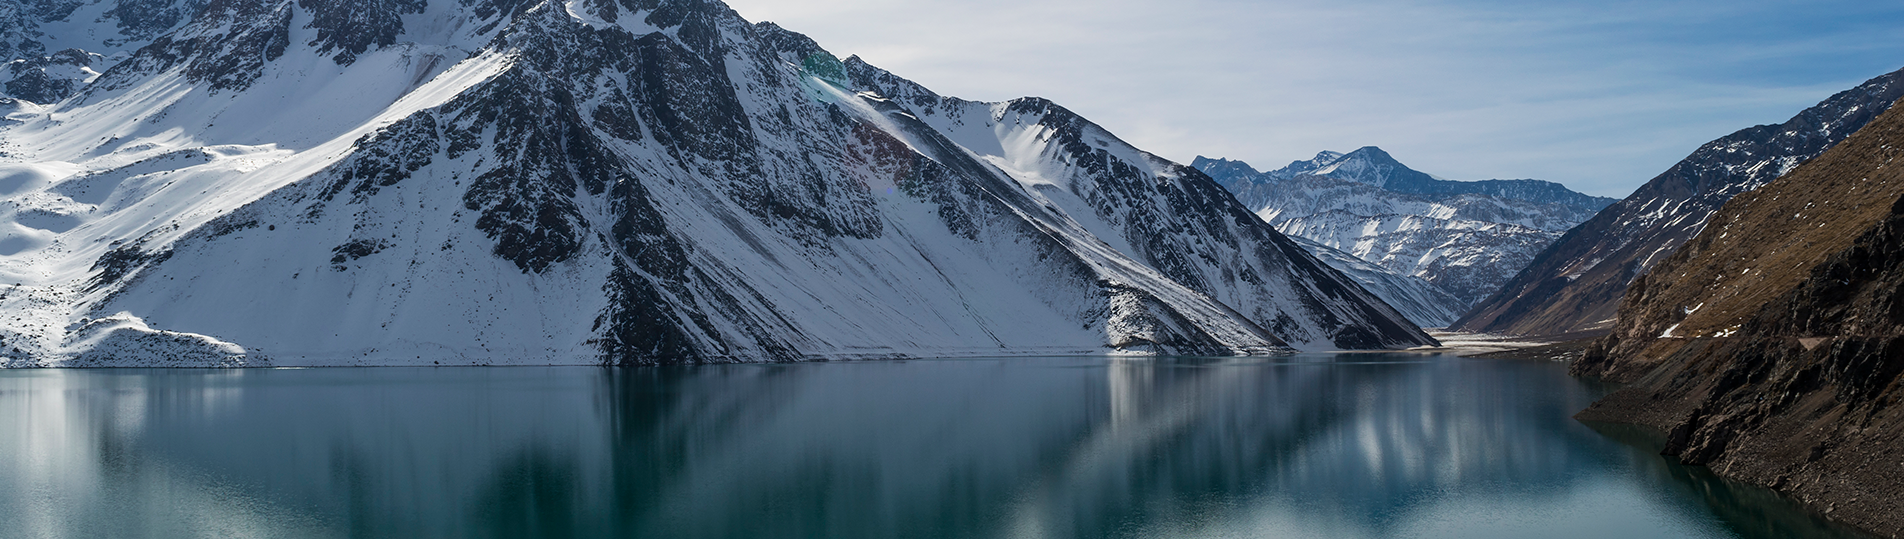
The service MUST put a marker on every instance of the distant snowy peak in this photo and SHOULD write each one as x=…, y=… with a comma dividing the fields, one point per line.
x=1367, y=164
x=1323, y=160
x=1464, y=237
x=1370, y=165
x=1232, y=175
x=1368, y=182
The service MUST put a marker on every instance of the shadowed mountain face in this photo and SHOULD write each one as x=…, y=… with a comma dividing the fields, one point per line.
x=1464, y=238
x=1772, y=343
x=632, y=181
x=1575, y=285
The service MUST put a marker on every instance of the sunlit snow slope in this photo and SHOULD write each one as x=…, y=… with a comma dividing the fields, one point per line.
x=598, y=181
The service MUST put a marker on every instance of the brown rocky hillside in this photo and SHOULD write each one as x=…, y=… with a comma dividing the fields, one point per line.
x=1575, y=285
x=1770, y=346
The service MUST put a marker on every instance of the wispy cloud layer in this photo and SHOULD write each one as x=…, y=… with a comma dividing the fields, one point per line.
x=1600, y=95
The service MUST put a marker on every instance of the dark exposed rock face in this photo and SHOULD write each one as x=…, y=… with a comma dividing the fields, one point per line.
x=226, y=45
x=1575, y=285
x=141, y=20
x=1771, y=345
x=49, y=79
x=347, y=28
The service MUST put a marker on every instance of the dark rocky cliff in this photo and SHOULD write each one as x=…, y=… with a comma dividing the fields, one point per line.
x=1575, y=285
x=1771, y=346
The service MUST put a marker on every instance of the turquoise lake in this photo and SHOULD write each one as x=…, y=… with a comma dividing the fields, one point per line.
x=1312, y=445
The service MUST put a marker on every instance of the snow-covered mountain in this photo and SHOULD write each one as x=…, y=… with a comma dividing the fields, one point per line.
x=1464, y=237
x=1575, y=285
x=1370, y=165
x=619, y=181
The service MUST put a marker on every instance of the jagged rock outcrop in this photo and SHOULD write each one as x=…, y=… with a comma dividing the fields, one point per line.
x=1771, y=345
x=48, y=79
x=1575, y=285
x=614, y=181
x=52, y=48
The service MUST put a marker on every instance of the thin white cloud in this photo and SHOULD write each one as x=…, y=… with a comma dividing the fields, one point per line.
x=1598, y=95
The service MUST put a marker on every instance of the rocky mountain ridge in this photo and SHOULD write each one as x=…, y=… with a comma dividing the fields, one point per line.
x=1370, y=165
x=1576, y=284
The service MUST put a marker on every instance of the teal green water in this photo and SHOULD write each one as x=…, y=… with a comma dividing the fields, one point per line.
x=1353, y=445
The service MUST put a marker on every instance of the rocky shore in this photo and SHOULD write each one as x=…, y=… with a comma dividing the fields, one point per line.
x=1770, y=348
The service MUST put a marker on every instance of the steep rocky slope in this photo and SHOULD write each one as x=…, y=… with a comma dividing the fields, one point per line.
x=48, y=79
x=1771, y=345
x=619, y=181
x=1464, y=237
x=1575, y=284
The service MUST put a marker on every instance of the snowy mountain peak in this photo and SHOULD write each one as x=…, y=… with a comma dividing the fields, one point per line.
x=1367, y=164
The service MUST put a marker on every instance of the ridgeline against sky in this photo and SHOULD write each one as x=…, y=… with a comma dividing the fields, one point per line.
x=1599, y=96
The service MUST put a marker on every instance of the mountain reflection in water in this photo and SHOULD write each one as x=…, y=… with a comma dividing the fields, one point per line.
x=1351, y=445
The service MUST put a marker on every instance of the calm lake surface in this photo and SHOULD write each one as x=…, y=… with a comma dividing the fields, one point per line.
x=1317, y=445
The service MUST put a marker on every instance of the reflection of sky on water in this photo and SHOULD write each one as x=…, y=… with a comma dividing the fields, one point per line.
x=1335, y=446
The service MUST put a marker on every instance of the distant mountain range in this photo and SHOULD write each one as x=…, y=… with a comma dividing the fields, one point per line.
x=1372, y=166
x=1575, y=285
x=1465, y=238
x=332, y=182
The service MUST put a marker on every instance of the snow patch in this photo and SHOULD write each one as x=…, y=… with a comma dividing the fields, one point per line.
x=123, y=340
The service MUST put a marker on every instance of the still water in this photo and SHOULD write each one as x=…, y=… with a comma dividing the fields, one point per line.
x=1352, y=445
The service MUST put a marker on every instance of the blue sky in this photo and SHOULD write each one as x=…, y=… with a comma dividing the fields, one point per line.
x=1598, y=95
